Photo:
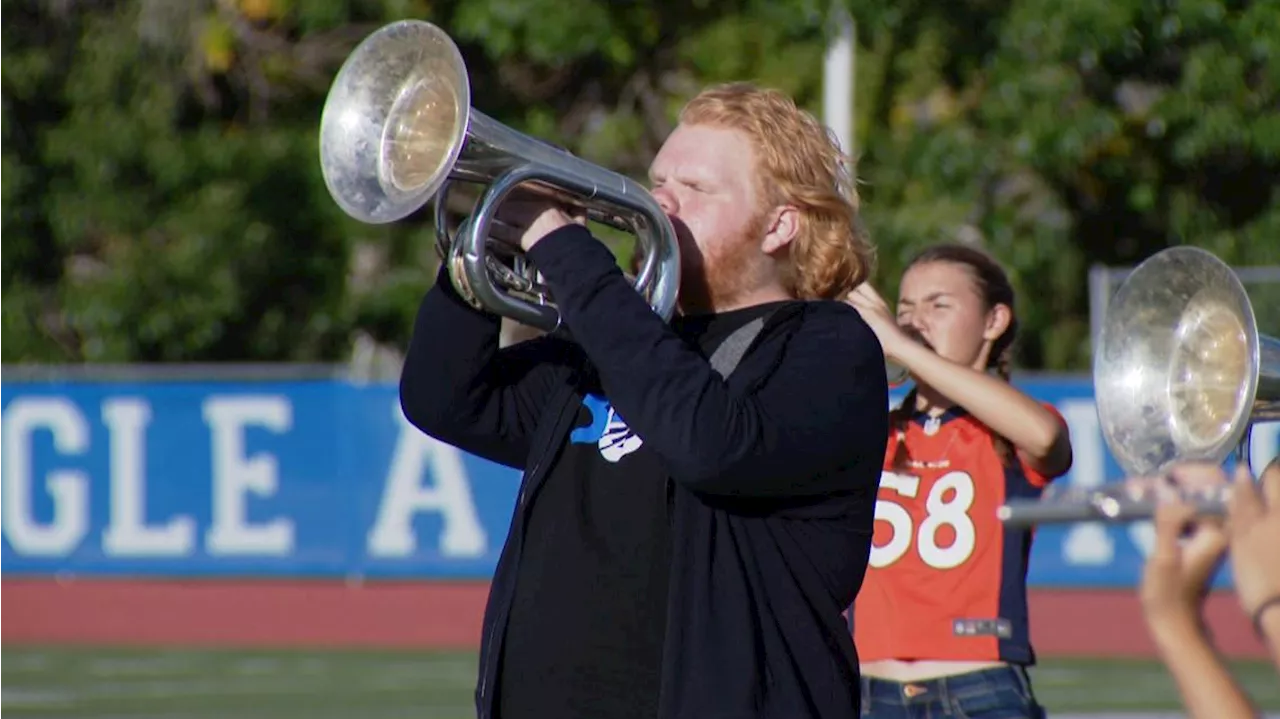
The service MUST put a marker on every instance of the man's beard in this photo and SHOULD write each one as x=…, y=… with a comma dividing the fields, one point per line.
x=718, y=280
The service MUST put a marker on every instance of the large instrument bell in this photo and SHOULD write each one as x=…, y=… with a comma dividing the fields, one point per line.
x=1180, y=374
x=398, y=126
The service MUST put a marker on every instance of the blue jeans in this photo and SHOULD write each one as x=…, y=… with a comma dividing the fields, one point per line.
x=997, y=693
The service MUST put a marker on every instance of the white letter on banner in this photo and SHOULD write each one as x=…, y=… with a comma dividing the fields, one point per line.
x=69, y=488
x=235, y=475
x=1087, y=543
x=417, y=457
x=128, y=534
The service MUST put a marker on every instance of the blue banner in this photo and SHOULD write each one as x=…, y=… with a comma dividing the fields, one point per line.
x=327, y=479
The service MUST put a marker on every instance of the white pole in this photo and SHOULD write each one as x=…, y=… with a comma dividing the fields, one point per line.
x=838, y=78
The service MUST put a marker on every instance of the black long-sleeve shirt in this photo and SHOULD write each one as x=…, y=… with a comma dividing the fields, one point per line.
x=774, y=471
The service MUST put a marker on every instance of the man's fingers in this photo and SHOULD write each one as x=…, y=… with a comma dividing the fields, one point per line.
x=505, y=232
x=519, y=212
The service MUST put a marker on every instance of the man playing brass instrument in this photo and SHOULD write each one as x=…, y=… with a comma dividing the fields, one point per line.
x=689, y=527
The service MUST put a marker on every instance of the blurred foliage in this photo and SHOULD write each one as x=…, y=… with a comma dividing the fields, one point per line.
x=163, y=200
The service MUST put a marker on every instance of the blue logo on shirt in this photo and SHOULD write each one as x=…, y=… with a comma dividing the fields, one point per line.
x=607, y=430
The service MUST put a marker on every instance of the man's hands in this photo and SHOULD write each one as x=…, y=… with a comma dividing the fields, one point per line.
x=525, y=218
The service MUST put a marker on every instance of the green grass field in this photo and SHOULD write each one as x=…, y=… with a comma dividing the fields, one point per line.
x=191, y=684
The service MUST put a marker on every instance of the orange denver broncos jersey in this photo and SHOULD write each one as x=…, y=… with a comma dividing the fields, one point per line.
x=946, y=580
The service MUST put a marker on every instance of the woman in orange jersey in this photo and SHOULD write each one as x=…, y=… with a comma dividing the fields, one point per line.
x=941, y=621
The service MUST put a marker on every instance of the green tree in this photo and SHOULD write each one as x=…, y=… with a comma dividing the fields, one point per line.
x=1065, y=134
x=164, y=200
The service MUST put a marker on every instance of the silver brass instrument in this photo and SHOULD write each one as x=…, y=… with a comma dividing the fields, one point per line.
x=1180, y=373
x=398, y=126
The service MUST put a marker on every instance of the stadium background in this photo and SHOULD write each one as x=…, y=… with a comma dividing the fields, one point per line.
x=211, y=504
x=178, y=515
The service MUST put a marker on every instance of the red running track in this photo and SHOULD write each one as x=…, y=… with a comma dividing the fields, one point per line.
x=447, y=615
